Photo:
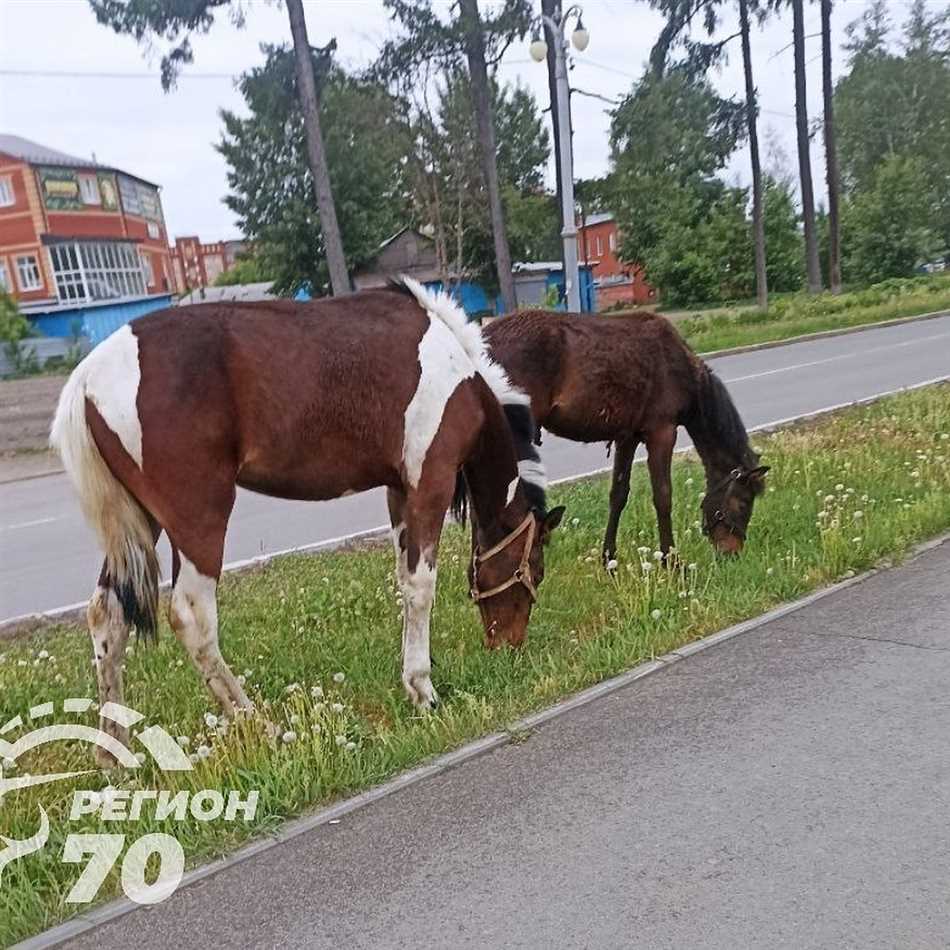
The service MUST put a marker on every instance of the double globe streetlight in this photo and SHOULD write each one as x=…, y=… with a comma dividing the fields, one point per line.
x=539, y=50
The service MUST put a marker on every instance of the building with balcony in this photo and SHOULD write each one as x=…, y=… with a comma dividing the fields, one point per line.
x=83, y=246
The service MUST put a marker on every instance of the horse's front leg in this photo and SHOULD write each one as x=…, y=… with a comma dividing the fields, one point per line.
x=416, y=540
x=660, y=443
x=624, y=451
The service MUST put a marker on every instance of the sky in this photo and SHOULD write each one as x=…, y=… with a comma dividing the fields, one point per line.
x=72, y=84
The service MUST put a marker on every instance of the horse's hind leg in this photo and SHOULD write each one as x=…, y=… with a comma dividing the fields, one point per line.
x=624, y=451
x=110, y=635
x=193, y=612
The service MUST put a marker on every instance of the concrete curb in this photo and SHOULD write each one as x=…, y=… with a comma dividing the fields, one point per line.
x=713, y=354
x=26, y=624
x=83, y=923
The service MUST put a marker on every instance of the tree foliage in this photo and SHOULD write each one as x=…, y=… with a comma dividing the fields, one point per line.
x=893, y=104
x=368, y=145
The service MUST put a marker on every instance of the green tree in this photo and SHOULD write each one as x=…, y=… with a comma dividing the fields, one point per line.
x=786, y=260
x=246, y=270
x=478, y=41
x=893, y=103
x=367, y=146
x=174, y=21
x=886, y=228
x=669, y=139
x=450, y=190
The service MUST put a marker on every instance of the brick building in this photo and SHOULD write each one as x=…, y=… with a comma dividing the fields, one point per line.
x=79, y=241
x=198, y=265
x=616, y=281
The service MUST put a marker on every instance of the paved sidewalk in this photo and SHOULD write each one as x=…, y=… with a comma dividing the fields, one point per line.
x=787, y=789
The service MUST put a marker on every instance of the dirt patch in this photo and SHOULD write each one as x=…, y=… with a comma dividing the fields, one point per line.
x=26, y=411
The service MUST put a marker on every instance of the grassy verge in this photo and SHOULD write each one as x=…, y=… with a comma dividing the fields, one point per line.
x=317, y=639
x=794, y=315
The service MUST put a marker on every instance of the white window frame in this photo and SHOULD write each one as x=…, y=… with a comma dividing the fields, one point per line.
x=147, y=270
x=7, y=194
x=6, y=284
x=97, y=270
x=153, y=229
x=600, y=246
x=28, y=277
x=89, y=190
x=612, y=240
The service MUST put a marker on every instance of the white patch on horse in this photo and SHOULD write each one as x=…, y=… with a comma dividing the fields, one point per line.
x=441, y=306
x=443, y=365
x=532, y=470
x=111, y=377
x=512, y=488
x=418, y=591
x=194, y=616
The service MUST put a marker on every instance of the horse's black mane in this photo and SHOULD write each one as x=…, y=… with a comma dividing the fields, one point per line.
x=523, y=433
x=721, y=422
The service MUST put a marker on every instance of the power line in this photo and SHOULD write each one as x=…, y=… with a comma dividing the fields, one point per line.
x=75, y=74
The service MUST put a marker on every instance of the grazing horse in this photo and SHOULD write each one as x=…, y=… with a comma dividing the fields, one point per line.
x=160, y=423
x=629, y=379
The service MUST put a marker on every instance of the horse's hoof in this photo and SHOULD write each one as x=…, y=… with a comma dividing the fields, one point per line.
x=421, y=692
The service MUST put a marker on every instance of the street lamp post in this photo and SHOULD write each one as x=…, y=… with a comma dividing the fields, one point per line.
x=539, y=51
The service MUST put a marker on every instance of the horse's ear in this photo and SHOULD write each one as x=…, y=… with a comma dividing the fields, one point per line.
x=759, y=471
x=551, y=520
x=756, y=478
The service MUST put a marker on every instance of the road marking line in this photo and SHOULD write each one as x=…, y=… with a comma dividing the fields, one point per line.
x=833, y=359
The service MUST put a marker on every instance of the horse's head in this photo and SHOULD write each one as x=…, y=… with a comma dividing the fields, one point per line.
x=727, y=507
x=504, y=579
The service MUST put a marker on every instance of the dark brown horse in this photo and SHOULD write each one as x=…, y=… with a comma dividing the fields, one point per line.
x=159, y=423
x=631, y=379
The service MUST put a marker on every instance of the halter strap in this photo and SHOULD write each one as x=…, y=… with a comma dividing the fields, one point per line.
x=522, y=574
x=720, y=517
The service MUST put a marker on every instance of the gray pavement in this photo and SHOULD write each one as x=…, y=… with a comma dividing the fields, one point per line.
x=49, y=557
x=788, y=788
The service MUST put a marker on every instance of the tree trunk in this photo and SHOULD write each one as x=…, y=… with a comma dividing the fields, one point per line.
x=481, y=101
x=831, y=154
x=813, y=267
x=751, y=112
x=551, y=8
x=307, y=89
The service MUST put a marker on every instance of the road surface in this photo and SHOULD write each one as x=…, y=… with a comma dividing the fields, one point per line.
x=788, y=788
x=49, y=557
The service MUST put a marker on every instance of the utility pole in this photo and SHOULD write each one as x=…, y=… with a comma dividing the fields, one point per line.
x=307, y=90
x=555, y=27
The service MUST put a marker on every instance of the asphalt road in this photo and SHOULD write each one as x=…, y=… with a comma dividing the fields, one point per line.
x=49, y=557
x=788, y=788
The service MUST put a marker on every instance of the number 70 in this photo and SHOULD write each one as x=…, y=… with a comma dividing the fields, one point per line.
x=105, y=850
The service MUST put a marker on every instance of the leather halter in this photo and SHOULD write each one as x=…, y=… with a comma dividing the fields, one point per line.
x=522, y=574
x=719, y=516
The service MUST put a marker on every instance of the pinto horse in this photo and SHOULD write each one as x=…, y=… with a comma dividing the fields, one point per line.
x=628, y=379
x=161, y=422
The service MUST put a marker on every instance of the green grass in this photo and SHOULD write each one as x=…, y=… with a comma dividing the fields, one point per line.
x=844, y=494
x=793, y=315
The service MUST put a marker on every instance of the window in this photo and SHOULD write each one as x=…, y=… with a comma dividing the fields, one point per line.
x=600, y=247
x=98, y=270
x=7, y=197
x=147, y=268
x=613, y=241
x=4, y=276
x=89, y=189
x=28, y=272
x=153, y=231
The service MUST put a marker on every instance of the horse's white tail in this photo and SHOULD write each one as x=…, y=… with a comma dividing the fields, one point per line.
x=119, y=520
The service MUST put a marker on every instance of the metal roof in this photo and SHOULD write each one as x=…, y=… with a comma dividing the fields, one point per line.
x=27, y=150
x=598, y=218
